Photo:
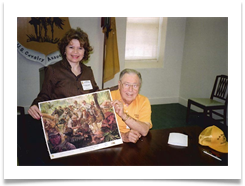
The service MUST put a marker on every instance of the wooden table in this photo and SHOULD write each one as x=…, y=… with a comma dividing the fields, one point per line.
x=152, y=150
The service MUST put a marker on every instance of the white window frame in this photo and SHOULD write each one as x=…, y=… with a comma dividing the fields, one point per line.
x=147, y=63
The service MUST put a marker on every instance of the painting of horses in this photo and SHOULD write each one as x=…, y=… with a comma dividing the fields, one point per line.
x=79, y=124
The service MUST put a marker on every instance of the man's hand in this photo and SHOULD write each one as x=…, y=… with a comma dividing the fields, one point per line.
x=118, y=106
x=131, y=136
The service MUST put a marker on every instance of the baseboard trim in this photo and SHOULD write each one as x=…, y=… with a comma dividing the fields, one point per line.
x=166, y=100
x=183, y=101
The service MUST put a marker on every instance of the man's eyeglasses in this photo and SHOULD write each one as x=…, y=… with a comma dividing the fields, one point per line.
x=127, y=86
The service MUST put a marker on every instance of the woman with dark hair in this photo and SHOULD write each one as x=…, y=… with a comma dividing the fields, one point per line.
x=68, y=77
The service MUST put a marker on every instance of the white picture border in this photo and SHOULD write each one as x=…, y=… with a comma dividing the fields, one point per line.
x=81, y=149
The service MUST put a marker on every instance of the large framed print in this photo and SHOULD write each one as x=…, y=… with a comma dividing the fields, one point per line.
x=79, y=124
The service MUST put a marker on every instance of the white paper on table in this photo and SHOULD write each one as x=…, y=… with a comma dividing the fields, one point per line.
x=178, y=139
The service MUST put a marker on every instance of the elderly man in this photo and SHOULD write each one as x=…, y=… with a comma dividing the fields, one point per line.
x=133, y=110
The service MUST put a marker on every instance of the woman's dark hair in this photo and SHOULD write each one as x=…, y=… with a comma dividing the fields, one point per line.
x=81, y=36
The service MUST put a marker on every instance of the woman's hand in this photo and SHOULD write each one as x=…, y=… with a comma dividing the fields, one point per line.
x=35, y=112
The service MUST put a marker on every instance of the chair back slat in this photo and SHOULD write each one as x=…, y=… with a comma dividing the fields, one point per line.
x=220, y=87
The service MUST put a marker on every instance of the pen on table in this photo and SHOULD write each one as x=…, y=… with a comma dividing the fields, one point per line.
x=212, y=155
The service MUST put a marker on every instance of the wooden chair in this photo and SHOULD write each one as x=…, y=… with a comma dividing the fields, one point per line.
x=217, y=101
x=113, y=88
x=21, y=132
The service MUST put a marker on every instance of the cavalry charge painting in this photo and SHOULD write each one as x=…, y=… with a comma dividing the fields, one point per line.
x=79, y=124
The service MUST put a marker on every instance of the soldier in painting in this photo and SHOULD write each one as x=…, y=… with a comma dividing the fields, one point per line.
x=57, y=144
